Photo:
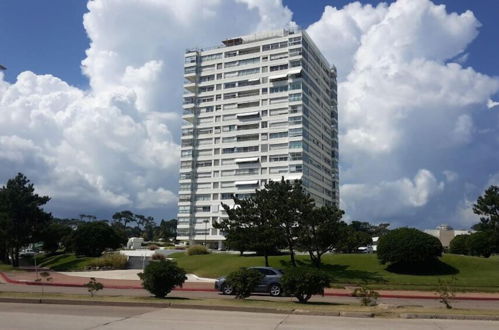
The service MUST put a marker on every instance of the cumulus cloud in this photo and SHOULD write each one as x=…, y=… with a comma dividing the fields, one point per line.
x=115, y=145
x=413, y=131
x=388, y=198
x=404, y=104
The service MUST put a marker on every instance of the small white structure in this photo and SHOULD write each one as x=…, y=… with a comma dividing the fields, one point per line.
x=446, y=233
x=134, y=243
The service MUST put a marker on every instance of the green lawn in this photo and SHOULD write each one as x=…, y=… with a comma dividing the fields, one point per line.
x=63, y=262
x=5, y=268
x=472, y=273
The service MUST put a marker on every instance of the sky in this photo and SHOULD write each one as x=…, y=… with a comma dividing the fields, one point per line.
x=90, y=102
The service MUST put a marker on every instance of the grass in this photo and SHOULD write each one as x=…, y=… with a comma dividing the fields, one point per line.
x=63, y=262
x=283, y=305
x=6, y=268
x=472, y=273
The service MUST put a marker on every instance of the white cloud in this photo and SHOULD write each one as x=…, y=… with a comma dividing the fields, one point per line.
x=388, y=198
x=405, y=106
x=491, y=104
x=115, y=145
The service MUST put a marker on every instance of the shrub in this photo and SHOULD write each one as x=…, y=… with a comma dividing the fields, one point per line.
x=160, y=277
x=92, y=238
x=459, y=244
x=481, y=243
x=197, y=250
x=408, y=247
x=158, y=256
x=153, y=247
x=302, y=283
x=93, y=286
x=110, y=260
x=446, y=291
x=243, y=281
x=368, y=297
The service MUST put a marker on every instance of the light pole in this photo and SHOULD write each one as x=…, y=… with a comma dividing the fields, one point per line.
x=205, y=230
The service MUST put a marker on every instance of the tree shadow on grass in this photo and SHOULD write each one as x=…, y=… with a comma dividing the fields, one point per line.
x=340, y=273
x=431, y=268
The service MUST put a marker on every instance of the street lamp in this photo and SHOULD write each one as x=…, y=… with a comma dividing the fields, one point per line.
x=205, y=230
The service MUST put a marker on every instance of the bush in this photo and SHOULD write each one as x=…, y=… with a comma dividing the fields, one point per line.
x=368, y=297
x=197, y=250
x=481, y=243
x=302, y=283
x=243, y=281
x=160, y=277
x=459, y=245
x=93, y=286
x=92, y=238
x=158, y=256
x=110, y=260
x=153, y=247
x=408, y=247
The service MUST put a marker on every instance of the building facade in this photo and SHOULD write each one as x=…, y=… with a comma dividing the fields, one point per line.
x=256, y=108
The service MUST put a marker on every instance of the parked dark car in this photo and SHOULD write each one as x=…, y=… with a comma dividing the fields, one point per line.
x=271, y=282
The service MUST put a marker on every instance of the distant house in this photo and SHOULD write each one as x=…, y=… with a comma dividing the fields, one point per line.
x=446, y=233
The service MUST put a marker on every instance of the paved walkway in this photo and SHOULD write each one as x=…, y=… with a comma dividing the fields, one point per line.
x=111, y=280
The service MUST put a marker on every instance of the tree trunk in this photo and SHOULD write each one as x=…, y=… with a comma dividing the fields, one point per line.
x=292, y=255
x=266, y=259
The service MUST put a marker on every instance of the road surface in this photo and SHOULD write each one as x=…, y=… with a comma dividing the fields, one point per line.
x=53, y=317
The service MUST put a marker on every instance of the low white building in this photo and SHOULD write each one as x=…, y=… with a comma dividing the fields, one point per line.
x=446, y=233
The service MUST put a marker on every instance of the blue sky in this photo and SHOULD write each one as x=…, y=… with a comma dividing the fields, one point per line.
x=418, y=87
x=48, y=36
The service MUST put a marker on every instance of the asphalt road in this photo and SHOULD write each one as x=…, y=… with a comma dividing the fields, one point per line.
x=53, y=317
x=199, y=295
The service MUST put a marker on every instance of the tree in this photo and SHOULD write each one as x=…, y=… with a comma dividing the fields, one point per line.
x=124, y=218
x=53, y=236
x=459, y=245
x=302, y=283
x=408, y=247
x=319, y=231
x=21, y=215
x=166, y=230
x=161, y=276
x=243, y=281
x=284, y=204
x=481, y=243
x=350, y=239
x=247, y=226
x=487, y=207
x=92, y=238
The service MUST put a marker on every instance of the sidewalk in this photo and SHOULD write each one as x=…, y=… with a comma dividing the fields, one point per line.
x=197, y=284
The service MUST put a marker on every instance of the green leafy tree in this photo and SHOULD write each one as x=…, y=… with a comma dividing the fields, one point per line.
x=243, y=281
x=302, y=283
x=53, y=236
x=319, y=232
x=21, y=215
x=459, y=245
x=124, y=218
x=92, y=238
x=351, y=240
x=284, y=204
x=161, y=276
x=166, y=230
x=487, y=207
x=481, y=243
x=408, y=247
x=247, y=225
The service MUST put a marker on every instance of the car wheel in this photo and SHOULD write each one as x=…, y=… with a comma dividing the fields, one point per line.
x=275, y=290
x=227, y=289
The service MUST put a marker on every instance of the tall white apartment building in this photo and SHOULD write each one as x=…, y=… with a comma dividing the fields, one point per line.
x=256, y=108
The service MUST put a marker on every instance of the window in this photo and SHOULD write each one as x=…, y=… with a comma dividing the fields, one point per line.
x=278, y=158
x=227, y=184
x=277, y=170
x=278, y=67
x=278, y=56
x=276, y=45
x=278, y=135
x=278, y=89
x=211, y=57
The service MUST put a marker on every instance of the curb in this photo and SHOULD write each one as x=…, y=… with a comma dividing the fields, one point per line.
x=73, y=285
x=245, y=309
x=331, y=294
x=449, y=317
